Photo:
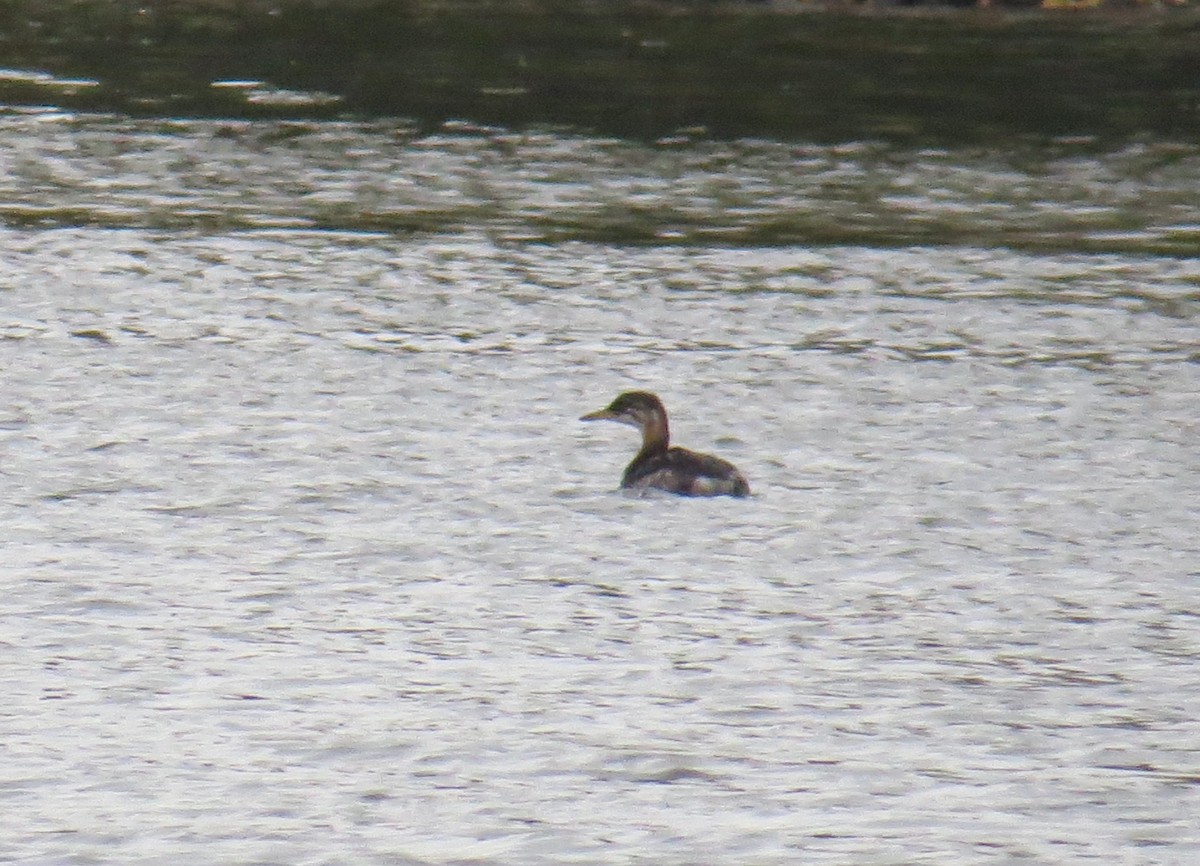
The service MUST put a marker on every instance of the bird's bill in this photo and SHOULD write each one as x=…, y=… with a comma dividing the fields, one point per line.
x=598, y=415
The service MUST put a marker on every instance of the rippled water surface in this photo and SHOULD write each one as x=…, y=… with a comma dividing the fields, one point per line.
x=306, y=558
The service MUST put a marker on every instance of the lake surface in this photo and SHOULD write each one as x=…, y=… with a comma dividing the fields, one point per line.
x=306, y=558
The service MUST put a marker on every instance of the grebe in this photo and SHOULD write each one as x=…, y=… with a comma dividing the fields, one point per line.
x=676, y=470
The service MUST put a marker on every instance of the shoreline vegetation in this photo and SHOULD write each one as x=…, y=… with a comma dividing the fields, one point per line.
x=832, y=70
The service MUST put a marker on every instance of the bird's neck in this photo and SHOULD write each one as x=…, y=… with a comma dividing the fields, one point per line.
x=655, y=435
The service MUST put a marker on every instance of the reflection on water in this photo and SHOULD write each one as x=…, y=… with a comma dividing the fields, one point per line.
x=636, y=71
x=307, y=559
x=62, y=169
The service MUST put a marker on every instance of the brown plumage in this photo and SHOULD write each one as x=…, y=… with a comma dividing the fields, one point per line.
x=661, y=466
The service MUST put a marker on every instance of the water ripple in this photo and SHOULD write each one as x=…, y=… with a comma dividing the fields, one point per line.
x=379, y=177
x=307, y=554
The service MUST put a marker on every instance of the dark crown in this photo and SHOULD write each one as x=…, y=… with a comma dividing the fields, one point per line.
x=636, y=401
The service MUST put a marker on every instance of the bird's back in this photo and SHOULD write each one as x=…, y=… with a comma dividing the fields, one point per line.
x=689, y=473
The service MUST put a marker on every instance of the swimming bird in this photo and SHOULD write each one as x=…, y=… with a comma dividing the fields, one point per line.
x=661, y=466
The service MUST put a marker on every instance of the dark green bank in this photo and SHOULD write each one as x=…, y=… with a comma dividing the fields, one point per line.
x=935, y=76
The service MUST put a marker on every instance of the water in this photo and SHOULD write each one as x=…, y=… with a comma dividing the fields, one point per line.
x=59, y=169
x=307, y=560
x=631, y=70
